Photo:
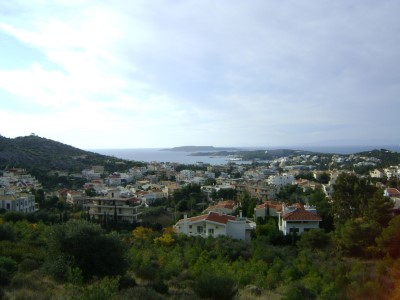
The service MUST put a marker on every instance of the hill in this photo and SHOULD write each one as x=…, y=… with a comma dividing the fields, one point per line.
x=34, y=152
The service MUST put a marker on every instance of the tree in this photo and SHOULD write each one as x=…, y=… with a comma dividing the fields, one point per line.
x=323, y=206
x=324, y=178
x=83, y=245
x=379, y=209
x=389, y=240
x=350, y=197
x=357, y=237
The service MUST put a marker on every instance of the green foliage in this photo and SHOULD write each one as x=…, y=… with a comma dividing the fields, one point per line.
x=247, y=204
x=291, y=194
x=324, y=208
x=314, y=239
x=13, y=216
x=7, y=232
x=355, y=197
x=8, y=267
x=79, y=244
x=271, y=231
x=227, y=194
x=211, y=286
x=357, y=237
x=324, y=178
x=140, y=293
x=104, y=289
x=389, y=241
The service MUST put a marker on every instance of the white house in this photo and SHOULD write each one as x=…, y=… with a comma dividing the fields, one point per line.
x=298, y=220
x=22, y=202
x=377, y=173
x=215, y=224
x=281, y=180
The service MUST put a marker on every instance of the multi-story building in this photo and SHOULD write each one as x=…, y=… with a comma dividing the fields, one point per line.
x=281, y=180
x=113, y=206
x=14, y=201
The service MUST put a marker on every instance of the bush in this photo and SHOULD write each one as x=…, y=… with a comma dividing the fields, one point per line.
x=215, y=287
x=13, y=216
x=7, y=232
x=28, y=265
x=8, y=267
x=79, y=244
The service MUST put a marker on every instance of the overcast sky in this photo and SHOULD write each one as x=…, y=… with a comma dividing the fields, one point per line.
x=137, y=74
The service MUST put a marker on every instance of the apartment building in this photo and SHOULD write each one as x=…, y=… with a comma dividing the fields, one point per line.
x=113, y=206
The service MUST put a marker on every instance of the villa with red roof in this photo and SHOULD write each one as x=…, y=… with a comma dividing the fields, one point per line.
x=215, y=224
x=222, y=207
x=298, y=220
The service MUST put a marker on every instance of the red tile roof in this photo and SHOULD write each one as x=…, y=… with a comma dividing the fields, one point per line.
x=211, y=216
x=219, y=218
x=393, y=192
x=301, y=214
x=272, y=204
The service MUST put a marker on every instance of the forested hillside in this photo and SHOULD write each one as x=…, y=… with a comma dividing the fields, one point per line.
x=37, y=152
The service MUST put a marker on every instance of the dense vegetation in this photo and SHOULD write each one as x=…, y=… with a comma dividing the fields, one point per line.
x=356, y=257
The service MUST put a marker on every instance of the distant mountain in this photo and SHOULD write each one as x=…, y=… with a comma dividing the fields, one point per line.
x=200, y=148
x=36, y=152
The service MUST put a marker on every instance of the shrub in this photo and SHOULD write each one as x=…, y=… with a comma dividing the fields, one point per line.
x=7, y=232
x=8, y=267
x=80, y=244
x=13, y=216
x=215, y=287
x=28, y=265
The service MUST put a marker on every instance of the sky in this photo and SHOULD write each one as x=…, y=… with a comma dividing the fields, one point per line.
x=149, y=74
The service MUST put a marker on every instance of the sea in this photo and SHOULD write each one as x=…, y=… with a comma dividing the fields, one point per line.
x=160, y=155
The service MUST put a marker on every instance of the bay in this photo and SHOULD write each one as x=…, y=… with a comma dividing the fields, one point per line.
x=157, y=155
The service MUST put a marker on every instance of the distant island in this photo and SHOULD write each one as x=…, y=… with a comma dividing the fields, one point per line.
x=199, y=148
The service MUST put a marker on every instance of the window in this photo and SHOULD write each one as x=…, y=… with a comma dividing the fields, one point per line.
x=199, y=229
x=294, y=230
x=210, y=231
x=190, y=226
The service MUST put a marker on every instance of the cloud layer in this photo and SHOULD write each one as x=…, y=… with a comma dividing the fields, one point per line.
x=169, y=73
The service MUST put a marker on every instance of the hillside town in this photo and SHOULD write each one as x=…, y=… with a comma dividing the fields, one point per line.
x=127, y=196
